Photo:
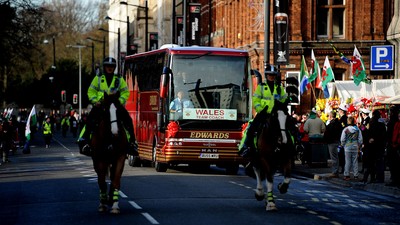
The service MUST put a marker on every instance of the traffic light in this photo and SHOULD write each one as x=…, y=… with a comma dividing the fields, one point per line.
x=63, y=96
x=293, y=87
x=133, y=49
x=153, y=41
x=75, y=99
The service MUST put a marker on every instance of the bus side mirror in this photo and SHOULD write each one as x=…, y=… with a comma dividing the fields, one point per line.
x=164, y=82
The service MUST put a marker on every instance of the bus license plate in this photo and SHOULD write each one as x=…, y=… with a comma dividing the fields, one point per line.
x=208, y=156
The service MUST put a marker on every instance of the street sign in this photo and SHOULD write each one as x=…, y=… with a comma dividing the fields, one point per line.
x=382, y=58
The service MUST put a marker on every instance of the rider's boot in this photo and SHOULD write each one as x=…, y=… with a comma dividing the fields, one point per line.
x=247, y=148
x=133, y=146
x=83, y=141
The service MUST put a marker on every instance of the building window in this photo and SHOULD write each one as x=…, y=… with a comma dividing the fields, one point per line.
x=340, y=74
x=331, y=19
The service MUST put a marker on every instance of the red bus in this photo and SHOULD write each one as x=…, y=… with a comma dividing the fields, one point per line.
x=207, y=127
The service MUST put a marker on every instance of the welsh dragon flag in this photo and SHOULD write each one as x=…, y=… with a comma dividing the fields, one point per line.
x=31, y=120
x=358, y=68
x=327, y=73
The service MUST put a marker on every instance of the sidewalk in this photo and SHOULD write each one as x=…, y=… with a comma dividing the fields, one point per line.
x=322, y=173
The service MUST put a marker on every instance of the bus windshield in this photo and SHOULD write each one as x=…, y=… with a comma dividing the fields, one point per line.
x=208, y=87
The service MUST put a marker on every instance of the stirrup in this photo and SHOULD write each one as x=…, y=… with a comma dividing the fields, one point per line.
x=133, y=148
x=110, y=148
x=86, y=150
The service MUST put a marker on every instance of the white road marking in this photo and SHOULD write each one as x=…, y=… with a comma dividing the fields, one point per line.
x=150, y=218
x=136, y=206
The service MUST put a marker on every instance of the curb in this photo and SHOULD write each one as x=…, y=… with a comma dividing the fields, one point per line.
x=378, y=188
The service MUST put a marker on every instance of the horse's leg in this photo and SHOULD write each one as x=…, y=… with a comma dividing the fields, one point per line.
x=269, y=200
x=117, y=169
x=101, y=170
x=287, y=169
x=260, y=190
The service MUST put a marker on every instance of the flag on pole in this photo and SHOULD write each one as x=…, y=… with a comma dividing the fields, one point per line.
x=327, y=73
x=304, y=84
x=315, y=72
x=31, y=120
x=326, y=92
x=346, y=60
x=358, y=68
x=7, y=113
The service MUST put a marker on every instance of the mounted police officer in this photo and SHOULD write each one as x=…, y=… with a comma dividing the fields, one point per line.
x=108, y=83
x=267, y=98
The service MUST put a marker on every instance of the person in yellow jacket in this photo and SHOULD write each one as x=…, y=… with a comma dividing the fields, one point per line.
x=109, y=83
x=65, y=124
x=265, y=100
x=47, y=133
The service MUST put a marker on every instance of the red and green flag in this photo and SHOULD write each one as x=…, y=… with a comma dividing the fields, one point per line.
x=358, y=69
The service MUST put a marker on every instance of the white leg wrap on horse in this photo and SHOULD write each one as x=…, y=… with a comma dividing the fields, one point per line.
x=269, y=186
x=115, y=208
x=286, y=180
x=282, y=122
x=113, y=119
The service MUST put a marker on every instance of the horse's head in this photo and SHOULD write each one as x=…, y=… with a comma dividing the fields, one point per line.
x=108, y=99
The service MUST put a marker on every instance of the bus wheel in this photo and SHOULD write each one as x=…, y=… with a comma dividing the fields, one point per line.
x=160, y=167
x=133, y=161
x=232, y=169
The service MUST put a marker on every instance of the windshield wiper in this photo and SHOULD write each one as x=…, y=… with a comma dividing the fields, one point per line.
x=199, y=56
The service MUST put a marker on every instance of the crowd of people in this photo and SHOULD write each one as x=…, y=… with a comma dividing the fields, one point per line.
x=370, y=137
x=13, y=125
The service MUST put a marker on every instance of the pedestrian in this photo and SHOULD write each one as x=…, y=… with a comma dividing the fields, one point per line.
x=342, y=110
x=74, y=123
x=304, y=140
x=367, y=152
x=315, y=129
x=395, y=153
x=314, y=126
x=332, y=138
x=391, y=151
x=377, y=144
x=351, y=139
x=47, y=131
x=65, y=124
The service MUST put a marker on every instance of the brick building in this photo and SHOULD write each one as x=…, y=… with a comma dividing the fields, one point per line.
x=240, y=24
x=312, y=25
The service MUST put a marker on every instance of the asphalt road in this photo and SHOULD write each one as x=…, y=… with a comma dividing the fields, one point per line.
x=58, y=186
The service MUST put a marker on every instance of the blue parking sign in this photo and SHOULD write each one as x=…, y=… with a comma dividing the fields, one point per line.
x=382, y=58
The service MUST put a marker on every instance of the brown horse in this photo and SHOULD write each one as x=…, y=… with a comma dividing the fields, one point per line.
x=275, y=148
x=109, y=143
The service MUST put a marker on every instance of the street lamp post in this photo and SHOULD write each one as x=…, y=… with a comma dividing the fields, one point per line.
x=127, y=30
x=146, y=8
x=101, y=41
x=119, y=46
x=54, y=50
x=80, y=75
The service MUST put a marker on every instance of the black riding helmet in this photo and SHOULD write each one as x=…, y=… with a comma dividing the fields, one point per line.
x=109, y=61
x=271, y=70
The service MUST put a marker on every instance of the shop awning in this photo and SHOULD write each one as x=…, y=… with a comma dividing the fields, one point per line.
x=379, y=90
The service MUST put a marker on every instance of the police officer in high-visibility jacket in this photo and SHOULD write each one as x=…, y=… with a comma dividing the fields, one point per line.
x=108, y=83
x=265, y=99
x=47, y=131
